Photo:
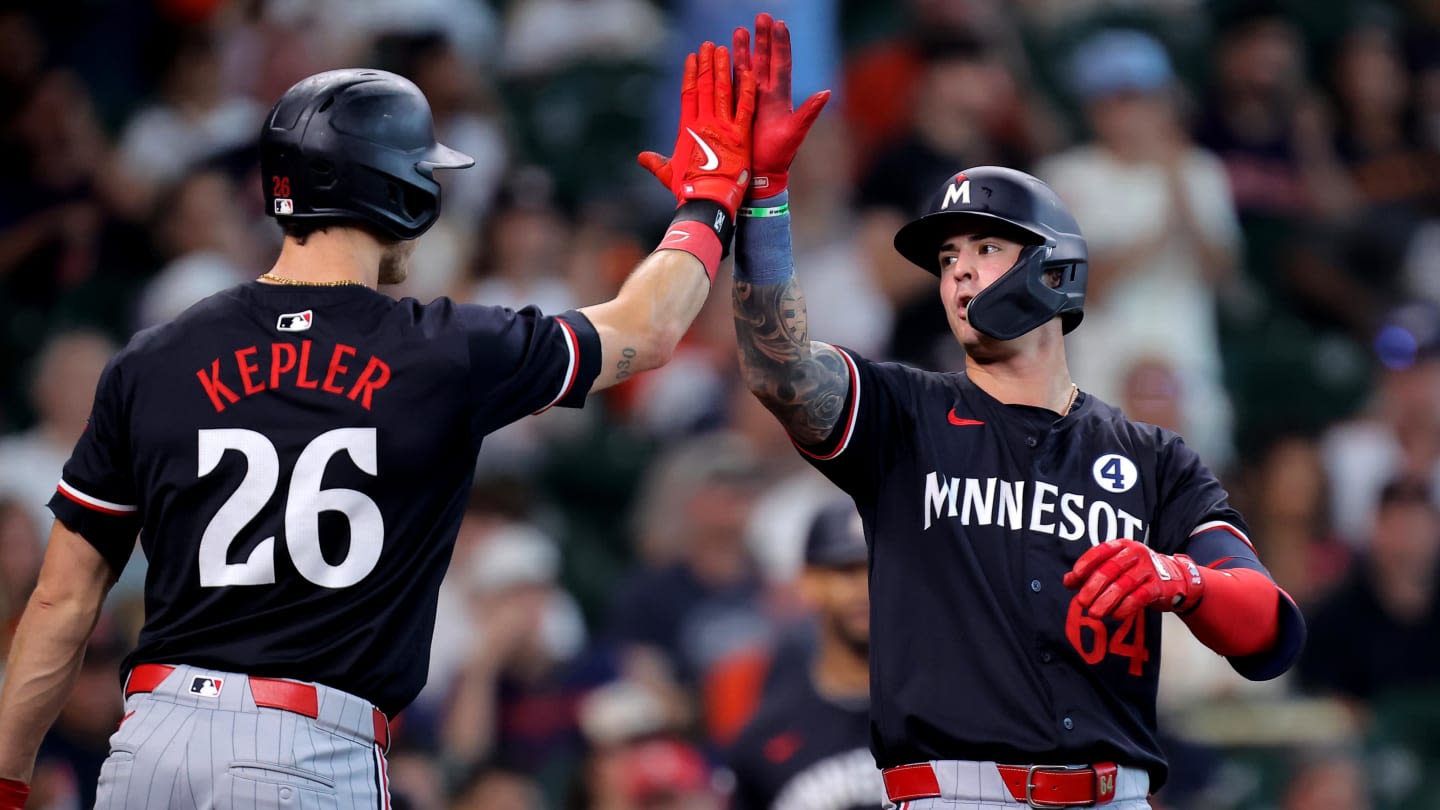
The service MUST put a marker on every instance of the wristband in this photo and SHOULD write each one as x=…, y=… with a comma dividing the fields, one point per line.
x=703, y=229
x=758, y=212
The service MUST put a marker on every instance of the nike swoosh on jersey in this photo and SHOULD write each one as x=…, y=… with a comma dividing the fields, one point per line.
x=712, y=160
x=960, y=421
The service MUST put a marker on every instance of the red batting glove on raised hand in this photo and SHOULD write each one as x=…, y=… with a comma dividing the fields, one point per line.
x=779, y=129
x=1121, y=577
x=13, y=794
x=712, y=149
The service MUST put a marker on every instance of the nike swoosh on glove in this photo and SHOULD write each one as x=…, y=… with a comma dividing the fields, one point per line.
x=711, y=160
x=779, y=129
x=1119, y=578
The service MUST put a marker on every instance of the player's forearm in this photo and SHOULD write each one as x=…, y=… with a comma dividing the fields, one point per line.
x=803, y=382
x=641, y=326
x=45, y=659
x=1239, y=615
x=49, y=646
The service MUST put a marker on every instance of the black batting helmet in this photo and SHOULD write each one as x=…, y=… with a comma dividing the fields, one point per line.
x=355, y=145
x=1028, y=211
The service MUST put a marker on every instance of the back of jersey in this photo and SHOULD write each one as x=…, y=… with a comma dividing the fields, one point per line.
x=297, y=460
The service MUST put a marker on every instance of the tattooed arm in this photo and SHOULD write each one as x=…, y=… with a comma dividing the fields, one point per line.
x=641, y=325
x=803, y=382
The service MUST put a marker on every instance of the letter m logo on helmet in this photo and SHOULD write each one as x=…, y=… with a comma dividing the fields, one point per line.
x=958, y=191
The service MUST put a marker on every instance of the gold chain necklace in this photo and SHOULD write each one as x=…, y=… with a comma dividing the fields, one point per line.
x=292, y=282
x=1074, y=392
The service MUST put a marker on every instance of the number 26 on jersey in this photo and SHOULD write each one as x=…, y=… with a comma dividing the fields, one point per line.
x=304, y=502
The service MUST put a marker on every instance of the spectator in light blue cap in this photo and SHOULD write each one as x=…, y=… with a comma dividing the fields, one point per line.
x=1119, y=62
x=1157, y=214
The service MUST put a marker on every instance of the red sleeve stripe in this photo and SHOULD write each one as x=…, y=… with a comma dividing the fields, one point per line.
x=1223, y=526
x=91, y=502
x=850, y=418
x=573, y=344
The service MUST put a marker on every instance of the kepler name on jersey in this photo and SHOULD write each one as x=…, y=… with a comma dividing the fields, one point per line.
x=245, y=372
x=993, y=502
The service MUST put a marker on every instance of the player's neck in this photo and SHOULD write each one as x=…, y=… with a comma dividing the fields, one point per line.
x=333, y=255
x=1041, y=379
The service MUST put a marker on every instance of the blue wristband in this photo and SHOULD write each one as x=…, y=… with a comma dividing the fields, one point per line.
x=762, y=244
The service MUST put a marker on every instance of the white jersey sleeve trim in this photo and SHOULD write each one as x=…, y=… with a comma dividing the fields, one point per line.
x=1223, y=526
x=573, y=345
x=91, y=502
x=851, y=418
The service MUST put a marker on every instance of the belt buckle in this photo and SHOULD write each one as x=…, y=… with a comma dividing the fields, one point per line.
x=1030, y=785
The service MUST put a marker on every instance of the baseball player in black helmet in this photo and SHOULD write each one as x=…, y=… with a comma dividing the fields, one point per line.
x=1024, y=536
x=294, y=454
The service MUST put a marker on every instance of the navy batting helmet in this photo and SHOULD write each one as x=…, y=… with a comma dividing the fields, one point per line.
x=355, y=145
x=1024, y=209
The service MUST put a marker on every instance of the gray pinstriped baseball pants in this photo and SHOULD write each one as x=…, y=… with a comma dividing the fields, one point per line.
x=186, y=745
x=968, y=785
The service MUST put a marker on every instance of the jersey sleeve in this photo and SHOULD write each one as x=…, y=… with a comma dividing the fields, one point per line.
x=97, y=497
x=524, y=362
x=851, y=456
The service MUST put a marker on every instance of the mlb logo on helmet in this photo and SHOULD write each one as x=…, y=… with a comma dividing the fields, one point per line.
x=284, y=205
x=206, y=687
x=295, y=321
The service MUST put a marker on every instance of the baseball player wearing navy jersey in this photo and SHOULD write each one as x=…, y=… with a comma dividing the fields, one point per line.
x=295, y=454
x=1024, y=536
x=808, y=745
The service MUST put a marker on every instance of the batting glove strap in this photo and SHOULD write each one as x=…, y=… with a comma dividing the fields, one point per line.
x=1119, y=578
x=704, y=230
x=13, y=794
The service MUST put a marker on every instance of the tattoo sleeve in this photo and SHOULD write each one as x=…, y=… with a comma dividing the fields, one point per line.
x=803, y=383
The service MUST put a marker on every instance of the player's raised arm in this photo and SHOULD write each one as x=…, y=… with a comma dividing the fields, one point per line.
x=708, y=173
x=803, y=382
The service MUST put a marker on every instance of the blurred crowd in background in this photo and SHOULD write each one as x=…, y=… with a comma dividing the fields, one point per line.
x=1259, y=183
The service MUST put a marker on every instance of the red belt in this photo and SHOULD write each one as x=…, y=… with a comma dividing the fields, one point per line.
x=1035, y=785
x=269, y=693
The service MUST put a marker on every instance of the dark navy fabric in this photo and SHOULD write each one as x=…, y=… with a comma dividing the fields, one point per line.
x=296, y=462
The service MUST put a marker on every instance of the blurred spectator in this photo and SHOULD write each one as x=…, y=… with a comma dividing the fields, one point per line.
x=808, y=743
x=205, y=234
x=547, y=36
x=465, y=105
x=498, y=789
x=1399, y=435
x=883, y=78
x=21, y=547
x=1266, y=125
x=194, y=118
x=1288, y=513
x=1327, y=780
x=61, y=390
x=515, y=699
x=696, y=600
x=1377, y=633
x=658, y=774
x=525, y=248
x=1162, y=233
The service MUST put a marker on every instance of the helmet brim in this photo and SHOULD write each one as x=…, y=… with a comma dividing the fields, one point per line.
x=919, y=241
x=441, y=156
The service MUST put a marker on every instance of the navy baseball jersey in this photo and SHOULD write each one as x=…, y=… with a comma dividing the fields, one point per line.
x=296, y=461
x=974, y=511
x=803, y=751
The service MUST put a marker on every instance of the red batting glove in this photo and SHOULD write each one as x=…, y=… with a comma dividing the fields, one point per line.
x=1121, y=577
x=712, y=149
x=779, y=129
x=13, y=794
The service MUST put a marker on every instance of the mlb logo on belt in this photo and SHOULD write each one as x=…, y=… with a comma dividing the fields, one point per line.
x=206, y=687
x=295, y=321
